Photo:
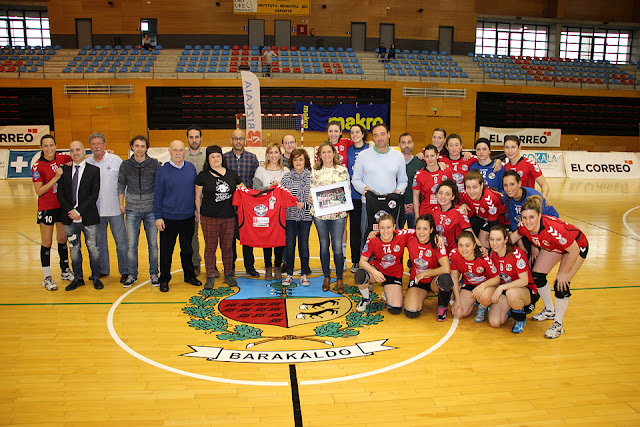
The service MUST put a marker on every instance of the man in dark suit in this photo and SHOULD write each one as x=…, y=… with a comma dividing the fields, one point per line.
x=78, y=190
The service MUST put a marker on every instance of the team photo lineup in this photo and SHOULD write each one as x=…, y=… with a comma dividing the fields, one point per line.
x=479, y=235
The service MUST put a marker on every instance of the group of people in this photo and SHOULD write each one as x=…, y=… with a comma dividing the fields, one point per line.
x=478, y=231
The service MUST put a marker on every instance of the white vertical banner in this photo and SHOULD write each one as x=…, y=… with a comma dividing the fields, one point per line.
x=251, y=91
x=4, y=162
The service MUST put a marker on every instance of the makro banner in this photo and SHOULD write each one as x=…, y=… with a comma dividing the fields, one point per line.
x=22, y=135
x=583, y=164
x=315, y=118
x=528, y=137
x=551, y=162
x=271, y=7
x=251, y=91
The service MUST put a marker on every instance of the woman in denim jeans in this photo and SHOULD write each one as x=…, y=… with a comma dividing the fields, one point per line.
x=328, y=170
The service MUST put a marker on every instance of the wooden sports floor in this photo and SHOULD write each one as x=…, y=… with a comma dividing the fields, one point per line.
x=117, y=356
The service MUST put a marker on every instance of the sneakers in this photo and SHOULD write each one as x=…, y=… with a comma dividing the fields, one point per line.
x=49, y=284
x=383, y=296
x=354, y=267
x=287, y=280
x=209, y=283
x=481, y=314
x=129, y=282
x=545, y=314
x=362, y=305
x=66, y=275
x=554, y=331
x=441, y=316
x=305, y=280
x=154, y=280
x=518, y=327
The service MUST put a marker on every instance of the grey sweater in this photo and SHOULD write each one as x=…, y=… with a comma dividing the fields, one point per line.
x=135, y=181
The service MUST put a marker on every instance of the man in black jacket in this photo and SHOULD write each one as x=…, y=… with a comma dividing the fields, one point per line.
x=78, y=190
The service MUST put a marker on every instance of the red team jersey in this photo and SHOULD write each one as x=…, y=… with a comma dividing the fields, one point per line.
x=424, y=257
x=527, y=169
x=387, y=257
x=342, y=146
x=427, y=182
x=511, y=265
x=555, y=235
x=43, y=171
x=262, y=216
x=473, y=272
x=449, y=225
x=459, y=169
x=489, y=207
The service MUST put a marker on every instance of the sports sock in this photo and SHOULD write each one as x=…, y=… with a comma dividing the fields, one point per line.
x=45, y=261
x=561, y=309
x=365, y=293
x=545, y=294
x=63, y=253
x=443, y=298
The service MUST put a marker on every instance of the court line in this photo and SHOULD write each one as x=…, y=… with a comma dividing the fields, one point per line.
x=295, y=396
x=624, y=221
x=28, y=238
x=605, y=229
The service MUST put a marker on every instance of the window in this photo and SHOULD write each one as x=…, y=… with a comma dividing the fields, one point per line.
x=595, y=44
x=496, y=38
x=24, y=28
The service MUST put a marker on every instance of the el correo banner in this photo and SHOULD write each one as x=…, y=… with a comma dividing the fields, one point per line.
x=22, y=135
x=270, y=7
x=582, y=164
x=528, y=137
x=219, y=354
x=315, y=118
x=551, y=162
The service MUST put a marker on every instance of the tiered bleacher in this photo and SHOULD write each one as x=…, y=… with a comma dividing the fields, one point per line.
x=107, y=59
x=231, y=59
x=423, y=64
x=30, y=60
x=501, y=67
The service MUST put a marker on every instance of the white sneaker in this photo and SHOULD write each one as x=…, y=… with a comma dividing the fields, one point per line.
x=362, y=305
x=287, y=280
x=49, y=284
x=305, y=280
x=554, y=331
x=545, y=314
x=354, y=267
x=154, y=280
x=383, y=296
x=67, y=275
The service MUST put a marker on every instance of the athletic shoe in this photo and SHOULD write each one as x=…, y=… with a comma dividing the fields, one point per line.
x=518, y=327
x=354, y=267
x=49, y=284
x=209, y=283
x=287, y=280
x=129, y=282
x=384, y=296
x=66, y=275
x=545, y=314
x=154, y=280
x=362, y=305
x=481, y=314
x=442, y=314
x=554, y=331
x=305, y=280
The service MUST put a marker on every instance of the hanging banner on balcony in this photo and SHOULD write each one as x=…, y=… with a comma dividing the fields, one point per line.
x=315, y=118
x=271, y=7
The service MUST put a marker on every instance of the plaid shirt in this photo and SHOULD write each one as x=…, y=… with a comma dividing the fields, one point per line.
x=300, y=186
x=245, y=165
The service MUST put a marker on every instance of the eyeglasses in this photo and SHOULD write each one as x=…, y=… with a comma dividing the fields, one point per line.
x=237, y=138
x=288, y=142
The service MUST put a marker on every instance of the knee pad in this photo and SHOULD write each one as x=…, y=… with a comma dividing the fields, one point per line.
x=361, y=277
x=561, y=294
x=445, y=282
x=540, y=279
x=518, y=315
x=411, y=314
x=394, y=310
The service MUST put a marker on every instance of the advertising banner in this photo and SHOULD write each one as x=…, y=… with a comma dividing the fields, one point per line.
x=252, y=109
x=22, y=135
x=551, y=162
x=528, y=137
x=4, y=162
x=315, y=118
x=582, y=164
x=271, y=7
x=20, y=162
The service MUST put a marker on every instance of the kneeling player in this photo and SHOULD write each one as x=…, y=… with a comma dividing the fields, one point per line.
x=381, y=262
x=429, y=271
x=517, y=294
x=478, y=273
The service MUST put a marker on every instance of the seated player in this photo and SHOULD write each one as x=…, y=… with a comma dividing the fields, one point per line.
x=429, y=271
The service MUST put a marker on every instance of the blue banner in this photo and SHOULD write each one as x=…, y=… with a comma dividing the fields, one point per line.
x=315, y=118
x=20, y=161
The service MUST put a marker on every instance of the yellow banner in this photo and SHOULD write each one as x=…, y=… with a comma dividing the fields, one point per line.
x=271, y=7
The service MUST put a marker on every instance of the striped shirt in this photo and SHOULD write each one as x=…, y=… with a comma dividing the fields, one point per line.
x=300, y=186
